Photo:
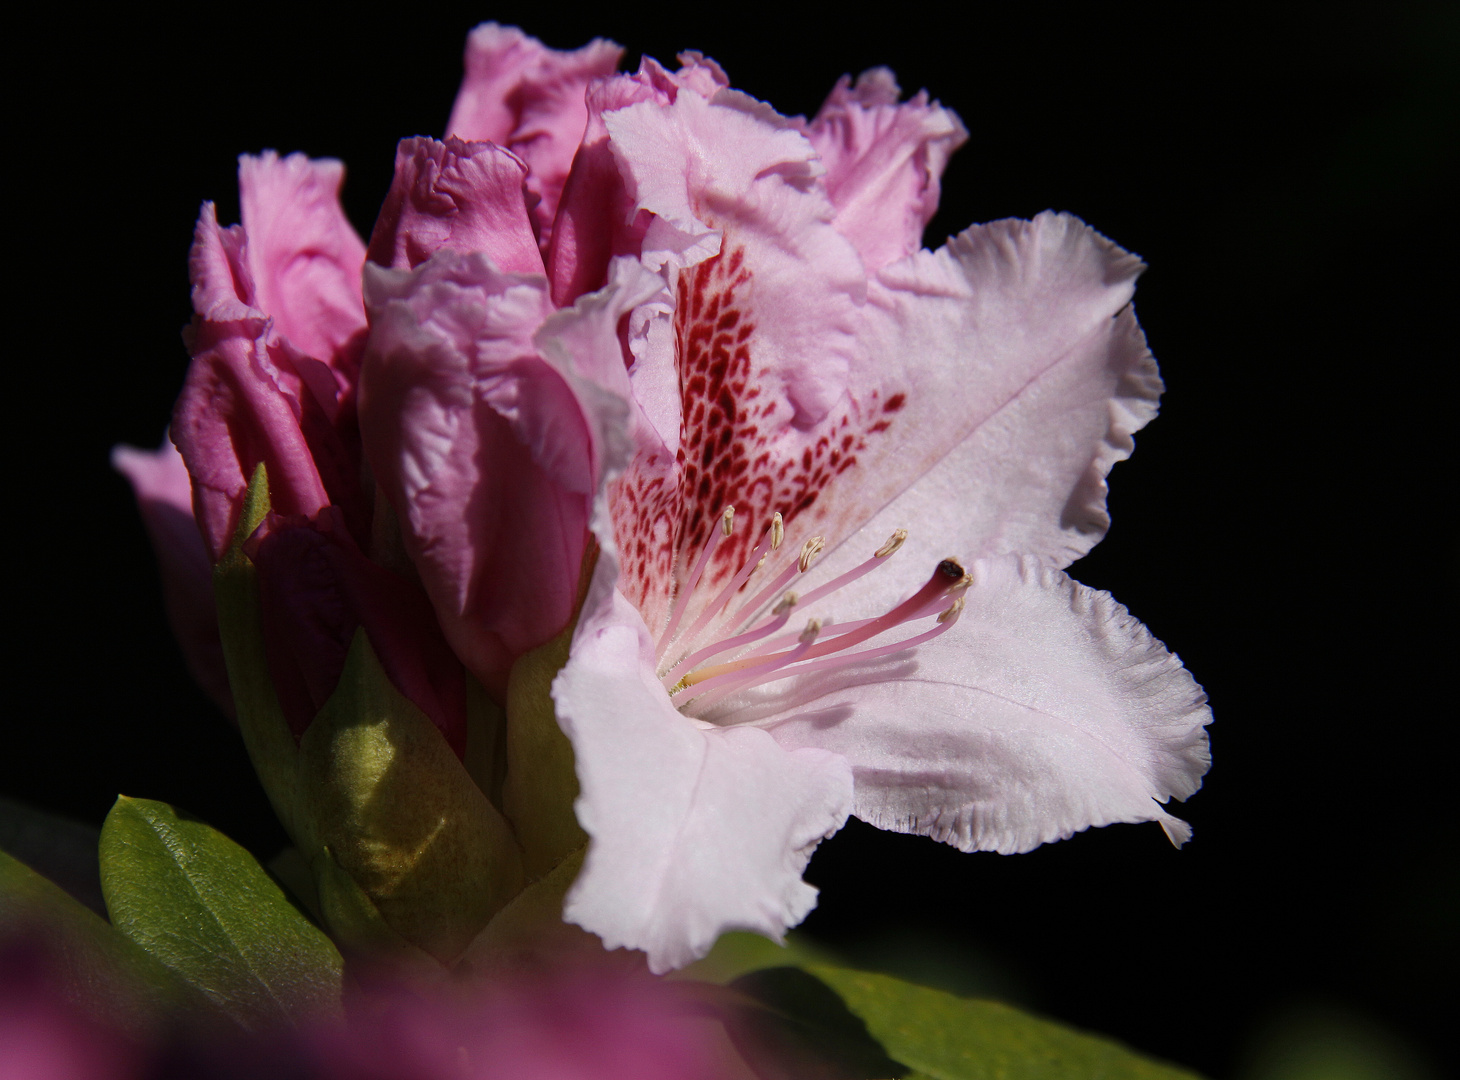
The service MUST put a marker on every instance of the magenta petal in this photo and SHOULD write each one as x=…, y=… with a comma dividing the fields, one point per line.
x=316, y=589
x=482, y=449
x=304, y=255
x=164, y=499
x=883, y=162
x=595, y=219
x=247, y=400
x=455, y=196
x=520, y=94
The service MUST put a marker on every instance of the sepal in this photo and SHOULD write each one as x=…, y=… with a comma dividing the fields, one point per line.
x=541, y=784
x=382, y=793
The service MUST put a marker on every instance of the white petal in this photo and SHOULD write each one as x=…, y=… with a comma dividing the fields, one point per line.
x=694, y=830
x=1046, y=710
x=1027, y=375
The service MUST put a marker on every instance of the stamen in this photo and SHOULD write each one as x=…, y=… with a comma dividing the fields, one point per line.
x=727, y=525
x=945, y=622
x=948, y=578
x=809, y=551
x=732, y=681
x=893, y=543
x=771, y=539
x=782, y=613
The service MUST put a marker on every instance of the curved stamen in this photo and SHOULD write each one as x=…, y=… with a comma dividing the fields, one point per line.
x=727, y=525
x=772, y=540
x=782, y=615
x=893, y=543
x=785, y=671
x=947, y=580
x=732, y=681
x=809, y=551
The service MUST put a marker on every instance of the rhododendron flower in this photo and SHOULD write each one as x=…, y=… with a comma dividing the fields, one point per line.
x=833, y=481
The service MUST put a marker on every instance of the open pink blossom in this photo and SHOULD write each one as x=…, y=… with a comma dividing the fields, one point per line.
x=833, y=478
x=914, y=444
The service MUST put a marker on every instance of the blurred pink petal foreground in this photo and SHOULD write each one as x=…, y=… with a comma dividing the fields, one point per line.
x=733, y=312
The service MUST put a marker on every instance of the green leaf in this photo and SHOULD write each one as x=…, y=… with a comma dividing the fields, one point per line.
x=739, y=952
x=789, y=1025
x=98, y=969
x=206, y=909
x=943, y=1037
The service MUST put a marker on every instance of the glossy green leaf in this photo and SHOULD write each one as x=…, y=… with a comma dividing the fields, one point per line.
x=943, y=1037
x=206, y=909
x=97, y=968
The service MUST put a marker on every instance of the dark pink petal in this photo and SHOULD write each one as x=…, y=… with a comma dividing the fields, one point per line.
x=595, y=219
x=316, y=589
x=455, y=196
x=247, y=400
x=520, y=94
x=482, y=449
x=883, y=162
x=164, y=499
x=304, y=256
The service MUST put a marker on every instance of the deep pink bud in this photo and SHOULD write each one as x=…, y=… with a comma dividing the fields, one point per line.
x=456, y=196
x=316, y=588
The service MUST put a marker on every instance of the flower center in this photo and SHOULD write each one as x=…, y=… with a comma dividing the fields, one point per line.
x=755, y=651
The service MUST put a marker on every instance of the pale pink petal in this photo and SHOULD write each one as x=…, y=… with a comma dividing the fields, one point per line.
x=164, y=494
x=883, y=162
x=455, y=196
x=520, y=94
x=1020, y=375
x=304, y=255
x=482, y=449
x=694, y=830
x=1045, y=710
x=596, y=216
x=761, y=339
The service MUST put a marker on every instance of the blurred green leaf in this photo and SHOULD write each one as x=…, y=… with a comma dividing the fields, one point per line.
x=789, y=1025
x=943, y=1037
x=740, y=952
x=206, y=909
x=96, y=967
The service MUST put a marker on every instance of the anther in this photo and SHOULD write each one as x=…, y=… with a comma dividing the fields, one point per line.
x=785, y=604
x=727, y=520
x=813, y=627
x=953, y=612
x=893, y=543
x=810, y=550
x=778, y=530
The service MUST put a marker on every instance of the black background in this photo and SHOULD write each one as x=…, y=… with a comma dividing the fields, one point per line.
x=1289, y=175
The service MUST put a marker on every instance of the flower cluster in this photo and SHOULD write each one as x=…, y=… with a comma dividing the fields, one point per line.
x=636, y=354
